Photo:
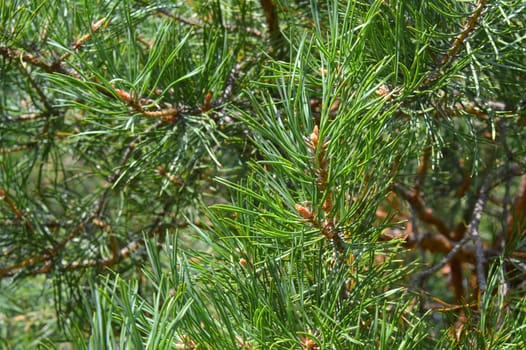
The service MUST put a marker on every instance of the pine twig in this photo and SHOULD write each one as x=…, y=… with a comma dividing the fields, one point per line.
x=428, y=272
x=271, y=17
x=502, y=173
x=12, y=54
x=94, y=215
x=457, y=43
x=18, y=148
x=423, y=213
x=78, y=43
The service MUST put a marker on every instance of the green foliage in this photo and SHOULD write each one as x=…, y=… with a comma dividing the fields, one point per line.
x=262, y=174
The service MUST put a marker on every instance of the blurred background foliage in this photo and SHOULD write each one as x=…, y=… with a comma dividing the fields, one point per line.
x=262, y=174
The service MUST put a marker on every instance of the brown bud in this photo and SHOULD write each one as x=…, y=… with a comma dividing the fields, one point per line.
x=327, y=228
x=207, y=102
x=314, y=137
x=384, y=91
x=95, y=26
x=307, y=343
x=327, y=204
x=304, y=212
x=161, y=170
x=125, y=96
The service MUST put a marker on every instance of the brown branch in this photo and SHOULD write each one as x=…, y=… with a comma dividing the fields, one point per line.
x=464, y=186
x=437, y=243
x=457, y=43
x=517, y=220
x=19, y=148
x=119, y=170
x=467, y=30
x=456, y=279
x=479, y=255
x=423, y=213
x=40, y=93
x=272, y=21
x=56, y=66
x=117, y=254
x=26, y=57
x=199, y=23
x=116, y=257
x=446, y=247
x=271, y=17
x=49, y=255
x=462, y=108
x=44, y=257
x=4, y=197
x=422, y=171
x=137, y=106
x=30, y=116
x=229, y=27
x=80, y=42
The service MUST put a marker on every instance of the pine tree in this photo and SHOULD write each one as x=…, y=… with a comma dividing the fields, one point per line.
x=262, y=174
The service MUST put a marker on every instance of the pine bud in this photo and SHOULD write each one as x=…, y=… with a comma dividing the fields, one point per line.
x=314, y=137
x=125, y=96
x=304, y=212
